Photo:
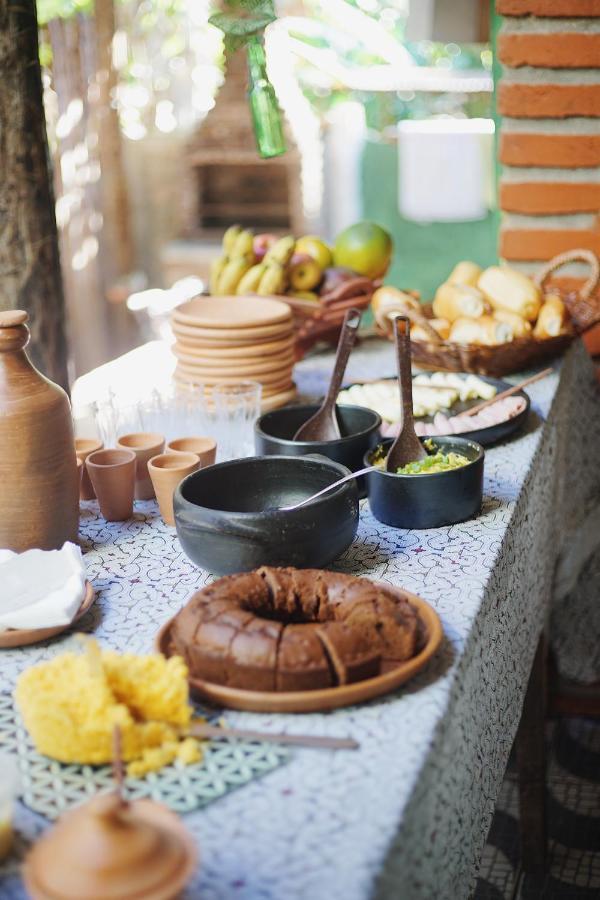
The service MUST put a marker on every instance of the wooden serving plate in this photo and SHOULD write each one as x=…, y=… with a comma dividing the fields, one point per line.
x=21, y=637
x=327, y=698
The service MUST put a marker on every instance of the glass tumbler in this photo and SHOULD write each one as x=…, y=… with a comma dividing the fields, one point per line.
x=237, y=406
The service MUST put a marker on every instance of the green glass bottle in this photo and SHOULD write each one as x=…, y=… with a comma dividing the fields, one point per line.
x=266, y=115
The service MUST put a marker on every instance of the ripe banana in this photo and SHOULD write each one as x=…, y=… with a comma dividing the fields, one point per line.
x=273, y=280
x=229, y=239
x=281, y=252
x=233, y=273
x=250, y=281
x=242, y=245
x=216, y=270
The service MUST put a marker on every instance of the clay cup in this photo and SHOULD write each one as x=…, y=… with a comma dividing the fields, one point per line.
x=145, y=445
x=83, y=448
x=166, y=471
x=112, y=473
x=204, y=447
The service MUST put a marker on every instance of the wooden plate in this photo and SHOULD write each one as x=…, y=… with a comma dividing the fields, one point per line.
x=20, y=637
x=274, y=401
x=234, y=336
x=242, y=367
x=232, y=312
x=244, y=351
x=194, y=374
x=327, y=698
x=270, y=390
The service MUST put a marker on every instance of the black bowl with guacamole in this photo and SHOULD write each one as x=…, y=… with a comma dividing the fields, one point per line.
x=444, y=489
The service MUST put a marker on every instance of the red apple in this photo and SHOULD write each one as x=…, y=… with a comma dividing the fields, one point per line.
x=261, y=244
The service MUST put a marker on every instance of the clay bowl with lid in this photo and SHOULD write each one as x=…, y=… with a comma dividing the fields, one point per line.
x=274, y=432
x=430, y=500
x=228, y=520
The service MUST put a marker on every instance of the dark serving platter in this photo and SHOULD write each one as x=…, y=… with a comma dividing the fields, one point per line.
x=484, y=436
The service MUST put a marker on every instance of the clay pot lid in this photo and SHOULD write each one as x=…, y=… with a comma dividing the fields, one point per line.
x=232, y=312
x=109, y=848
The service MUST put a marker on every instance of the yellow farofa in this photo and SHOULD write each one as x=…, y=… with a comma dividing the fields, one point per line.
x=71, y=704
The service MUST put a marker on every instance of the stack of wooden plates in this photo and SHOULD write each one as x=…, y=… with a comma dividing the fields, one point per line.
x=231, y=339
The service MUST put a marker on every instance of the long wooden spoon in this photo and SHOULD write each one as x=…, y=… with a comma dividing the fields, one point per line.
x=508, y=392
x=323, y=426
x=407, y=447
x=216, y=732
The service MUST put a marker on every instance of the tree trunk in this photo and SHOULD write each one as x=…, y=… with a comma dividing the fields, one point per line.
x=116, y=233
x=30, y=275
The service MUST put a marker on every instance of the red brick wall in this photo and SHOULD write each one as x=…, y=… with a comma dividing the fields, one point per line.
x=549, y=145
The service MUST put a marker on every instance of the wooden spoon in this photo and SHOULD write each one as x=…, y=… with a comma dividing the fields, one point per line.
x=509, y=392
x=323, y=426
x=407, y=447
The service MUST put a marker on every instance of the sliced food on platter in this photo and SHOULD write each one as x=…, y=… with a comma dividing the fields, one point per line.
x=441, y=402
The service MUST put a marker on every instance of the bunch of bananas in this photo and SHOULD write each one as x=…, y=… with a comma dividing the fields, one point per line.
x=237, y=258
x=236, y=270
x=270, y=275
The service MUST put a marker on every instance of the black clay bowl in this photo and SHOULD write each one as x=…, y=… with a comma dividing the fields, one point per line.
x=227, y=518
x=429, y=501
x=359, y=426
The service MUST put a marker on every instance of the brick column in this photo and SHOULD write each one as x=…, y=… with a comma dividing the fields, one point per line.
x=549, y=145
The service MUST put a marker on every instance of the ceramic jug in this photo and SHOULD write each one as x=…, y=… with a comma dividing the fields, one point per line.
x=39, y=489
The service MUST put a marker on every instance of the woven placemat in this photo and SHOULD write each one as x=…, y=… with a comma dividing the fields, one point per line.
x=50, y=787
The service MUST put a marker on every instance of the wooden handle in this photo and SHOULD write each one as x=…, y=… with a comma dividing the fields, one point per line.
x=205, y=730
x=509, y=392
x=403, y=360
x=346, y=342
x=579, y=255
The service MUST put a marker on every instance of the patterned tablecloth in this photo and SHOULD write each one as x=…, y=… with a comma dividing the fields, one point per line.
x=407, y=814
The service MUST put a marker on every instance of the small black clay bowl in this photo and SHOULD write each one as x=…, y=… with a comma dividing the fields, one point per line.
x=429, y=501
x=274, y=432
x=228, y=521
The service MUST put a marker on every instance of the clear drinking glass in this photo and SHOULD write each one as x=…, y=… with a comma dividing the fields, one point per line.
x=237, y=406
x=178, y=411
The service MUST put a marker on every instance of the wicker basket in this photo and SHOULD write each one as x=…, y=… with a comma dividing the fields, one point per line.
x=521, y=353
x=322, y=321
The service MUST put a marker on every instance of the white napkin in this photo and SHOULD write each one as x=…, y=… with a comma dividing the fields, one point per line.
x=40, y=588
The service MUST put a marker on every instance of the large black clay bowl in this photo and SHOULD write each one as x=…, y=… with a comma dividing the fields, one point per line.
x=227, y=518
x=429, y=501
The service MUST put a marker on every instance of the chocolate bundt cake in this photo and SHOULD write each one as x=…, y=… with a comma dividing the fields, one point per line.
x=293, y=630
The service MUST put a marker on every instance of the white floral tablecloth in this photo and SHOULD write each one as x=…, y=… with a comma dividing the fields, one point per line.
x=406, y=815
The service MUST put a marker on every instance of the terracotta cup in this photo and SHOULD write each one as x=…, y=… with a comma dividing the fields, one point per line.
x=112, y=473
x=83, y=448
x=145, y=445
x=204, y=447
x=166, y=471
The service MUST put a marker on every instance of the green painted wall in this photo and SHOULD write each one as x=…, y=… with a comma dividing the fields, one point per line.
x=424, y=254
